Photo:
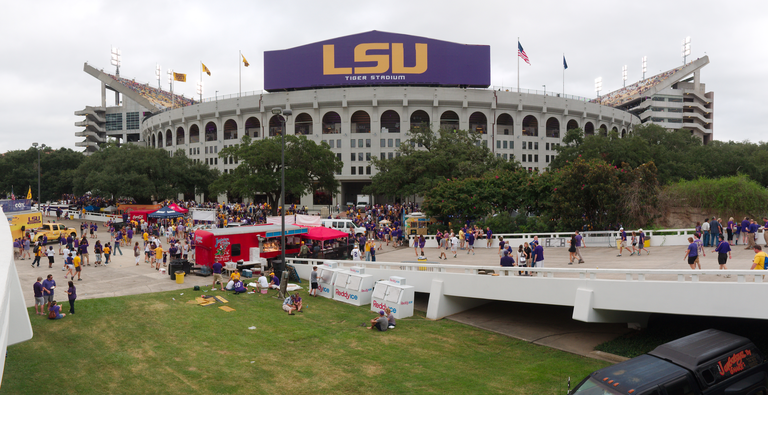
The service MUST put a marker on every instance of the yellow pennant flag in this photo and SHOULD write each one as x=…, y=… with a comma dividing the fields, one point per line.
x=29, y=194
x=205, y=69
x=245, y=62
x=180, y=77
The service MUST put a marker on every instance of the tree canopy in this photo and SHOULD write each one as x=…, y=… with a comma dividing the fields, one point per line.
x=19, y=168
x=308, y=166
x=427, y=159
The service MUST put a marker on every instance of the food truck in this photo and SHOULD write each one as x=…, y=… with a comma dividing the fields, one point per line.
x=247, y=243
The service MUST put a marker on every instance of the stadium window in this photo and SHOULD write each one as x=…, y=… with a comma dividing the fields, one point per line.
x=352, y=143
x=338, y=156
x=505, y=156
x=512, y=144
x=330, y=144
x=383, y=156
x=552, y=159
x=354, y=171
x=505, y=144
x=498, y=144
x=230, y=160
x=535, y=158
x=352, y=155
x=367, y=157
x=225, y=161
x=360, y=171
x=114, y=122
x=383, y=142
x=389, y=142
x=132, y=120
x=215, y=149
x=547, y=146
x=547, y=159
x=360, y=157
x=536, y=169
x=389, y=155
x=498, y=155
x=368, y=170
x=368, y=142
x=397, y=142
x=536, y=146
x=523, y=145
x=530, y=169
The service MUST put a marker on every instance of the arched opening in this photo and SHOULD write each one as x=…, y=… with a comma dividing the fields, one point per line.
x=252, y=127
x=303, y=124
x=615, y=129
x=505, y=125
x=623, y=133
x=211, y=132
x=603, y=130
x=361, y=122
x=572, y=124
x=168, y=138
x=276, y=125
x=419, y=119
x=553, y=128
x=449, y=121
x=331, y=123
x=478, y=123
x=230, y=129
x=179, y=135
x=159, y=140
x=194, y=134
x=530, y=126
x=589, y=129
x=153, y=141
x=390, y=122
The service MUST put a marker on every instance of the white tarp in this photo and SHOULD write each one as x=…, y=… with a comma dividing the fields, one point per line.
x=307, y=220
x=200, y=214
x=277, y=220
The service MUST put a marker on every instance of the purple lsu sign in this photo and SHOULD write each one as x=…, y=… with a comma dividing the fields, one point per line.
x=377, y=58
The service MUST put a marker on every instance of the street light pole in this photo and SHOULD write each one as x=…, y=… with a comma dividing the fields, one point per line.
x=283, y=113
x=39, y=204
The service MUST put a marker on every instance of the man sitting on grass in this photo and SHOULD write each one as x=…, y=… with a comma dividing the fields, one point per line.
x=274, y=283
x=239, y=287
x=381, y=323
x=288, y=305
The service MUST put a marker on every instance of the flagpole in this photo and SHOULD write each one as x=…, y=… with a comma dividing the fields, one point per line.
x=563, y=74
x=239, y=73
x=201, y=81
x=518, y=64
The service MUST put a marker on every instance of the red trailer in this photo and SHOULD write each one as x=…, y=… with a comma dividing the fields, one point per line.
x=245, y=243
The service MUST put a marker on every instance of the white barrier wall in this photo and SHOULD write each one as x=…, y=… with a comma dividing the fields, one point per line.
x=15, y=326
x=595, y=295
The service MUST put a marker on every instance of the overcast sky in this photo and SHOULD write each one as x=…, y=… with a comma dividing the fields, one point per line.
x=45, y=44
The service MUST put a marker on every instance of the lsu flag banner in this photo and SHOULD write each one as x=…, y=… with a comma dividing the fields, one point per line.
x=205, y=69
x=245, y=62
x=180, y=77
x=29, y=194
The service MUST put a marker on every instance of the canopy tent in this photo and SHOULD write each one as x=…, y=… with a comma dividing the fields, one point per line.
x=91, y=208
x=323, y=233
x=174, y=206
x=108, y=209
x=165, y=213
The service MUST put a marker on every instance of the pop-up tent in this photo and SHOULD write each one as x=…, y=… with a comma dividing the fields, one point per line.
x=174, y=206
x=165, y=213
x=323, y=233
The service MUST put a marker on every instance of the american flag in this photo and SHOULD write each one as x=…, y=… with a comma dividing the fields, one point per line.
x=521, y=53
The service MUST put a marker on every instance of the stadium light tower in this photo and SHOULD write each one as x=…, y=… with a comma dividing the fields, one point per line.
x=283, y=114
x=645, y=66
x=598, y=85
x=624, y=75
x=116, y=54
x=157, y=74
x=686, y=48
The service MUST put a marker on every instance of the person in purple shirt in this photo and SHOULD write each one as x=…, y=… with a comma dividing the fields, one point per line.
x=71, y=296
x=39, y=299
x=538, y=256
x=692, y=253
x=488, y=237
x=729, y=230
x=216, y=268
x=507, y=260
x=62, y=243
x=623, y=244
x=752, y=236
x=723, y=253
x=744, y=230
x=579, y=240
x=84, y=250
x=48, y=287
x=470, y=238
x=129, y=234
x=56, y=309
x=641, y=238
x=501, y=244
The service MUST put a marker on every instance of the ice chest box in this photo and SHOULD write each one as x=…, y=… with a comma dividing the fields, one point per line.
x=353, y=286
x=395, y=295
x=326, y=276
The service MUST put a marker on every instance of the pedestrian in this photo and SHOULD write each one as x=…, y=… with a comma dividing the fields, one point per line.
x=641, y=242
x=760, y=262
x=71, y=296
x=623, y=241
x=69, y=262
x=107, y=252
x=39, y=298
x=98, y=249
x=715, y=230
x=62, y=243
x=729, y=230
x=538, y=256
x=118, y=240
x=571, y=250
x=38, y=251
x=313, y=282
x=470, y=237
x=528, y=255
x=705, y=228
x=77, y=261
x=443, y=246
x=634, y=243
x=502, y=243
x=27, y=244
x=84, y=250
x=137, y=252
x=50, y=253
x=580, y=243
x=54, y=311
x=454, y=245
x=723, y=250
x=691, y=253
x=488, y=237
x=49, y=286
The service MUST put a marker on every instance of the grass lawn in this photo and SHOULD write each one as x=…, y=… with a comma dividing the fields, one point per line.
x=153, y=344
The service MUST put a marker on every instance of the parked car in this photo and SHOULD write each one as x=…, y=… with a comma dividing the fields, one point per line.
x=707, y=362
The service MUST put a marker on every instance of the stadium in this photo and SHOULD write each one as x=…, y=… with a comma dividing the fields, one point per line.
x=363, y=93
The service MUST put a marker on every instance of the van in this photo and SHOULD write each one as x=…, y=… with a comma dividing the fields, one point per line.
x=342, y=225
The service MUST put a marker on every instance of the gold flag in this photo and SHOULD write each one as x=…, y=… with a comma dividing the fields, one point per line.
x=205, y=69
x=180, y=77
x=245, y=62
x=29, y=194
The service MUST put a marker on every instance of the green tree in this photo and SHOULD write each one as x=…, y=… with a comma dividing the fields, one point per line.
x=19, y=168
x=427, y=159
x=308, y=166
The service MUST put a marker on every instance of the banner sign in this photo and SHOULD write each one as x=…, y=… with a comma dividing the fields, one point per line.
x=16, y=205
x=377, y=58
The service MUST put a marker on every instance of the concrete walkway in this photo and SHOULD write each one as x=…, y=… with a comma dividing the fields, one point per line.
x=541, y=324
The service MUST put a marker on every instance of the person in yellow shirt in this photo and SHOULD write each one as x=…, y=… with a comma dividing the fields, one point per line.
x=760, y=261
x=158, y=256
x=235, y=276
x=146, y=237
x=77, y=262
